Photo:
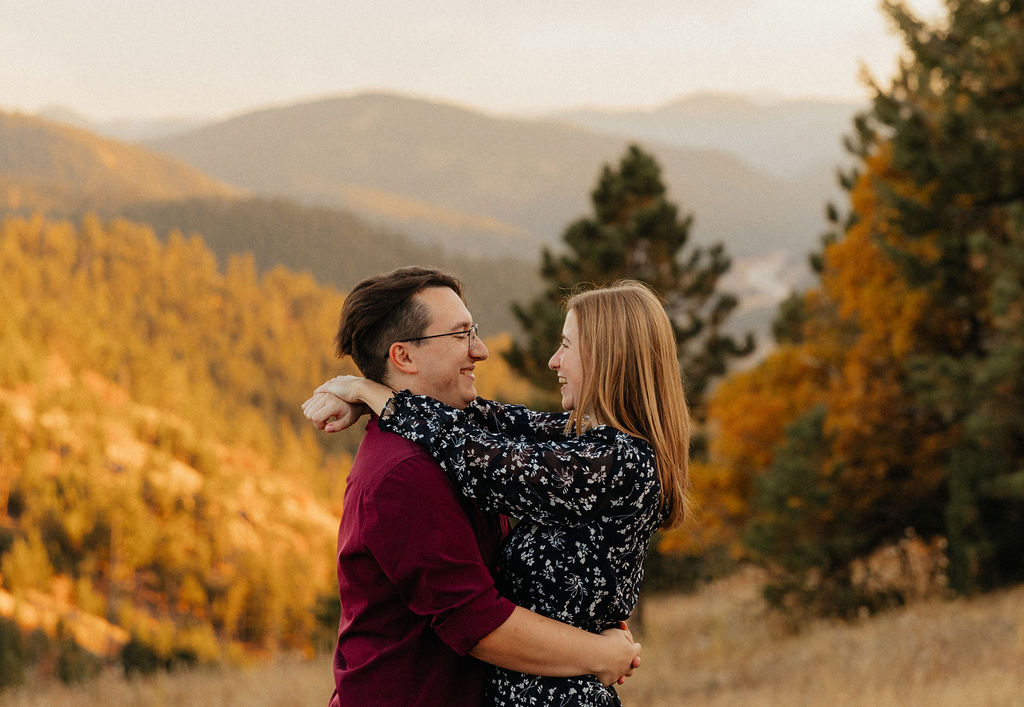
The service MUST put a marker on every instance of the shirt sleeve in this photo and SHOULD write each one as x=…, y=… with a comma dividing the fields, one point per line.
x=425, y=544
x=569, y=481
x=517, y=420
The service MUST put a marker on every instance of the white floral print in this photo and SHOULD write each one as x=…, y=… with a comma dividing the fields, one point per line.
x=587, y=508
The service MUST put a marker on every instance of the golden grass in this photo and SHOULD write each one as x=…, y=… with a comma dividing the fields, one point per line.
x=717, y=648
x=721, y=647
x=288, y=681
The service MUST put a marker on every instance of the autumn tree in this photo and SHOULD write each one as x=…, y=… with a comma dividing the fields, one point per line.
x=637, y=233
x=827, y=456
x=954, y=118
x=914, y=338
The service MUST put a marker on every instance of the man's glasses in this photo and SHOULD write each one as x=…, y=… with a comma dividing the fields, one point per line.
x=470, y=335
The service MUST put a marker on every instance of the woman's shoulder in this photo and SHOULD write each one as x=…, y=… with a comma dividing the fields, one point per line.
x=610, y=434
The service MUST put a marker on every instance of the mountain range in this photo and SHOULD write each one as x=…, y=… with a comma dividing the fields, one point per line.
x=792, y=139
x=464, y=183
x=482, y=183
x=58, y=167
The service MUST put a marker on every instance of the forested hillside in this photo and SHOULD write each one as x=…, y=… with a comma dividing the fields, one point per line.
x=891, y=414
x=338, y=248
x=154, y=471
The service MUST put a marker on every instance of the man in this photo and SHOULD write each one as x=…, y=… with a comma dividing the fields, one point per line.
x=419, y=607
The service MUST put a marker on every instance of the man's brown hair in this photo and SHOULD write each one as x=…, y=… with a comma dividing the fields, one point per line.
x=381, y=310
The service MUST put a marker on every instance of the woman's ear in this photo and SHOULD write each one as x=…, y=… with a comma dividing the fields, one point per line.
x=401, y=358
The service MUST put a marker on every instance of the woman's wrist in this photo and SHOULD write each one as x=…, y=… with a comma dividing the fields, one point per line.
x=373, y=394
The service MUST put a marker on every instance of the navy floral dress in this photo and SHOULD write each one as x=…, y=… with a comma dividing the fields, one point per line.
x=587, y=505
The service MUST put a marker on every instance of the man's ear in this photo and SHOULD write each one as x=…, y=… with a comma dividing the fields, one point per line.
x=401, y=358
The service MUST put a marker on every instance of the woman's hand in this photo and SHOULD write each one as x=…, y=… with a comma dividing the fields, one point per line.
x=344, y=387
x=353, y=389
x=330, y=413
x=342, y=400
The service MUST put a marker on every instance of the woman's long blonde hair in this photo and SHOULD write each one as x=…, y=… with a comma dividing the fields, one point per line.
x=632, y=381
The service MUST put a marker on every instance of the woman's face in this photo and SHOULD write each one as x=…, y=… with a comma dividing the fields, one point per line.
x=567, y=362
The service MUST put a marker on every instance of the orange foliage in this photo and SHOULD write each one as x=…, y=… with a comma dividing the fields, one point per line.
x=859, y=327
x=748, y=414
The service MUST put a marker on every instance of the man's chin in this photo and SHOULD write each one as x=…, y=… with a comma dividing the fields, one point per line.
x=463, y=399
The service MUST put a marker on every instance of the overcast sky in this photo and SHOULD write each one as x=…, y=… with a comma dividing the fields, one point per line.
x=214, y=58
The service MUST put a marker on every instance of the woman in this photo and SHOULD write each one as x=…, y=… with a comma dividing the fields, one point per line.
x=590, y=487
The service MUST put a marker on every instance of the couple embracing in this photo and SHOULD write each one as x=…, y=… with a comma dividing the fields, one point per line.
x=443, y=601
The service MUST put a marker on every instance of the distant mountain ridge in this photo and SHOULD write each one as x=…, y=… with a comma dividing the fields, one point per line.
x=48, y=164
x=123, y=129
x=65, y=171
x=786, y=138
x=473, y=181
x=466, y=185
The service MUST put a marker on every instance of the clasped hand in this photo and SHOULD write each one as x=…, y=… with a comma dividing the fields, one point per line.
x=335, y=405
x=628, y=649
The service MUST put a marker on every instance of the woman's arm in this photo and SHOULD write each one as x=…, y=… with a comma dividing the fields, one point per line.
x=513, y=420
x=518, y=420
x=339, y=402
x=570, y=481
x=563, y=480
x=330, y=413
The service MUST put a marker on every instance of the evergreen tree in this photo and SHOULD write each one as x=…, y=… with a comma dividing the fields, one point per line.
x=954, y=118
x=636, y=233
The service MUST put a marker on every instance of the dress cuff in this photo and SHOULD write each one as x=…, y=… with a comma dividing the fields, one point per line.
x=391, y=406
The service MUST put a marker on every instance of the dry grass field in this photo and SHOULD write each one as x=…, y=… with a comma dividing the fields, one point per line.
x=721, y=648
x=717, y=648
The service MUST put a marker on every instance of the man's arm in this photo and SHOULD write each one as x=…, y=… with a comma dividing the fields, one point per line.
x=531, y=643
x=526, y=642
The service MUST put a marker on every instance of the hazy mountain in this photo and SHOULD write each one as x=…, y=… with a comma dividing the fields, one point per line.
x=463, y=183
x=479, y=182
x=66, y=171
x=52, y=166
x=783, y=137
x=125, y=129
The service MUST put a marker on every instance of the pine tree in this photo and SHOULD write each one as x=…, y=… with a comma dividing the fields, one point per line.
x=637, y=233
x=954, y=117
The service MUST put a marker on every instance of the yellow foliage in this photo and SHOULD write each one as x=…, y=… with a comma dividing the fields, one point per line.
x=143, y=436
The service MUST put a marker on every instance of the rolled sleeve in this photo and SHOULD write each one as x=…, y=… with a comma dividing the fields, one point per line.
x=426, y=545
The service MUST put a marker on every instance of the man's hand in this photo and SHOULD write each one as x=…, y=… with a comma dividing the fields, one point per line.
x=330, y=413
x=623, y=655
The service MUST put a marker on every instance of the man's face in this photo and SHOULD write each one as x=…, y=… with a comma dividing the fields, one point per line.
x=444, y=365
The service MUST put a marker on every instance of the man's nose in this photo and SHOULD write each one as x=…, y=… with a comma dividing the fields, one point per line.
x=479, y=350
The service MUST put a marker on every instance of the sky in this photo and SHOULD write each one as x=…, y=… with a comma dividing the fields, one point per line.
x=152, y=59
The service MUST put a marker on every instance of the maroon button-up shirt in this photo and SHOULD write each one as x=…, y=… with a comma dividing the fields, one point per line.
x=414, y=579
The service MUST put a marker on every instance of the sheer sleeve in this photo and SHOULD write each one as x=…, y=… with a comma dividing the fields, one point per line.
x=517, y=420
x=568, y=481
